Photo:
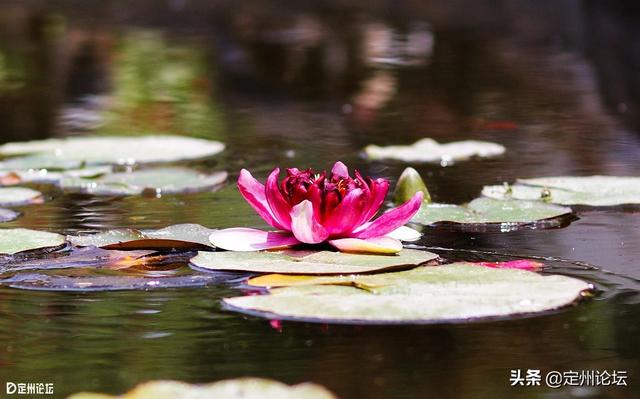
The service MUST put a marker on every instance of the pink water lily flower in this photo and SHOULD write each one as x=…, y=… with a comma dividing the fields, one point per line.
x=312, y=208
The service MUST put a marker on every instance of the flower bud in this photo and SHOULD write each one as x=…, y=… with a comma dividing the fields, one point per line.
x=409, y=183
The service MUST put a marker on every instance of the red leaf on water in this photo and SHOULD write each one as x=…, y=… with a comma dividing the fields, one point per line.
x=524, y=264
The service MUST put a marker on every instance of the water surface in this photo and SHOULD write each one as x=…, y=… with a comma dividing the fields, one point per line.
x=305, y=85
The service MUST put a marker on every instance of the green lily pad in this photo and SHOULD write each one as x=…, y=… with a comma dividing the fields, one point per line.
x=457, y=292
x=46, y=169
x=310, y=262
x=39, y=162
x=116, y=150
x=18, y=240
x=429, y=150
x=240, y=388
x=179, y=236
x=568, y=190
x=16, y=196
x=46, y=176
x=156, y=181
x=491, y=211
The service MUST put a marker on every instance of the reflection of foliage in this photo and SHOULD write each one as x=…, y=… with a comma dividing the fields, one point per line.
x=159, y=88
x=12, y=71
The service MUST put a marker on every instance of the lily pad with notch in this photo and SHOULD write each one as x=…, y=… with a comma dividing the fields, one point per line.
x=310, y=262
x=429, y=150
x=121, y=150
x=453, y=293
x=155, y=181
x=180, y=236
x=571, y=190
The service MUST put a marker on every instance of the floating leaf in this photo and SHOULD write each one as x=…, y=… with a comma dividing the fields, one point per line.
x=310, y=262
x=451, y=293
x=157, y=181
x=94, y=258
x=95, y=269
x=56, y=282
x=36, y=162
x=16, y=196
x=568, y=190
x=179, y=236
x=524, y=264
x=491, y=211
x=187, y=232
x=18, y=240
x=46, y=176
x=7, y=215
x=288, y=280
x=117, y=150
x=106, y=238
x=429, y=150
x=240, y=388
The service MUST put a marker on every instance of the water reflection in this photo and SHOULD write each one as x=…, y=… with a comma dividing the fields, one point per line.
x=302, y=84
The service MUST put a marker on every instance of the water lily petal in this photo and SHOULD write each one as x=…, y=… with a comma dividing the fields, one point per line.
x=524, y=264
x=347, y=215
x=391, y=220
x=379, y=189
x=279, y=206
x=315, y=196
x=340, y=169
x=254, y=193
x=246, y=239
x=305, y=226
x=377, y=245
x=405, y=233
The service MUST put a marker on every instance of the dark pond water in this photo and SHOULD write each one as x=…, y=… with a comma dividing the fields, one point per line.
x=304, y=85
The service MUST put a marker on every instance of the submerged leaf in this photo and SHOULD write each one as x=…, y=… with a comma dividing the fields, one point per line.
x=18, y=240
x=240, y=388
x=569, y=190
x=310, y=262
x=156, y=181
x=16, y=196
x=491, y=211
x=429, y=150
x=116, y=150
x=179, y=236
x=450, y=293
